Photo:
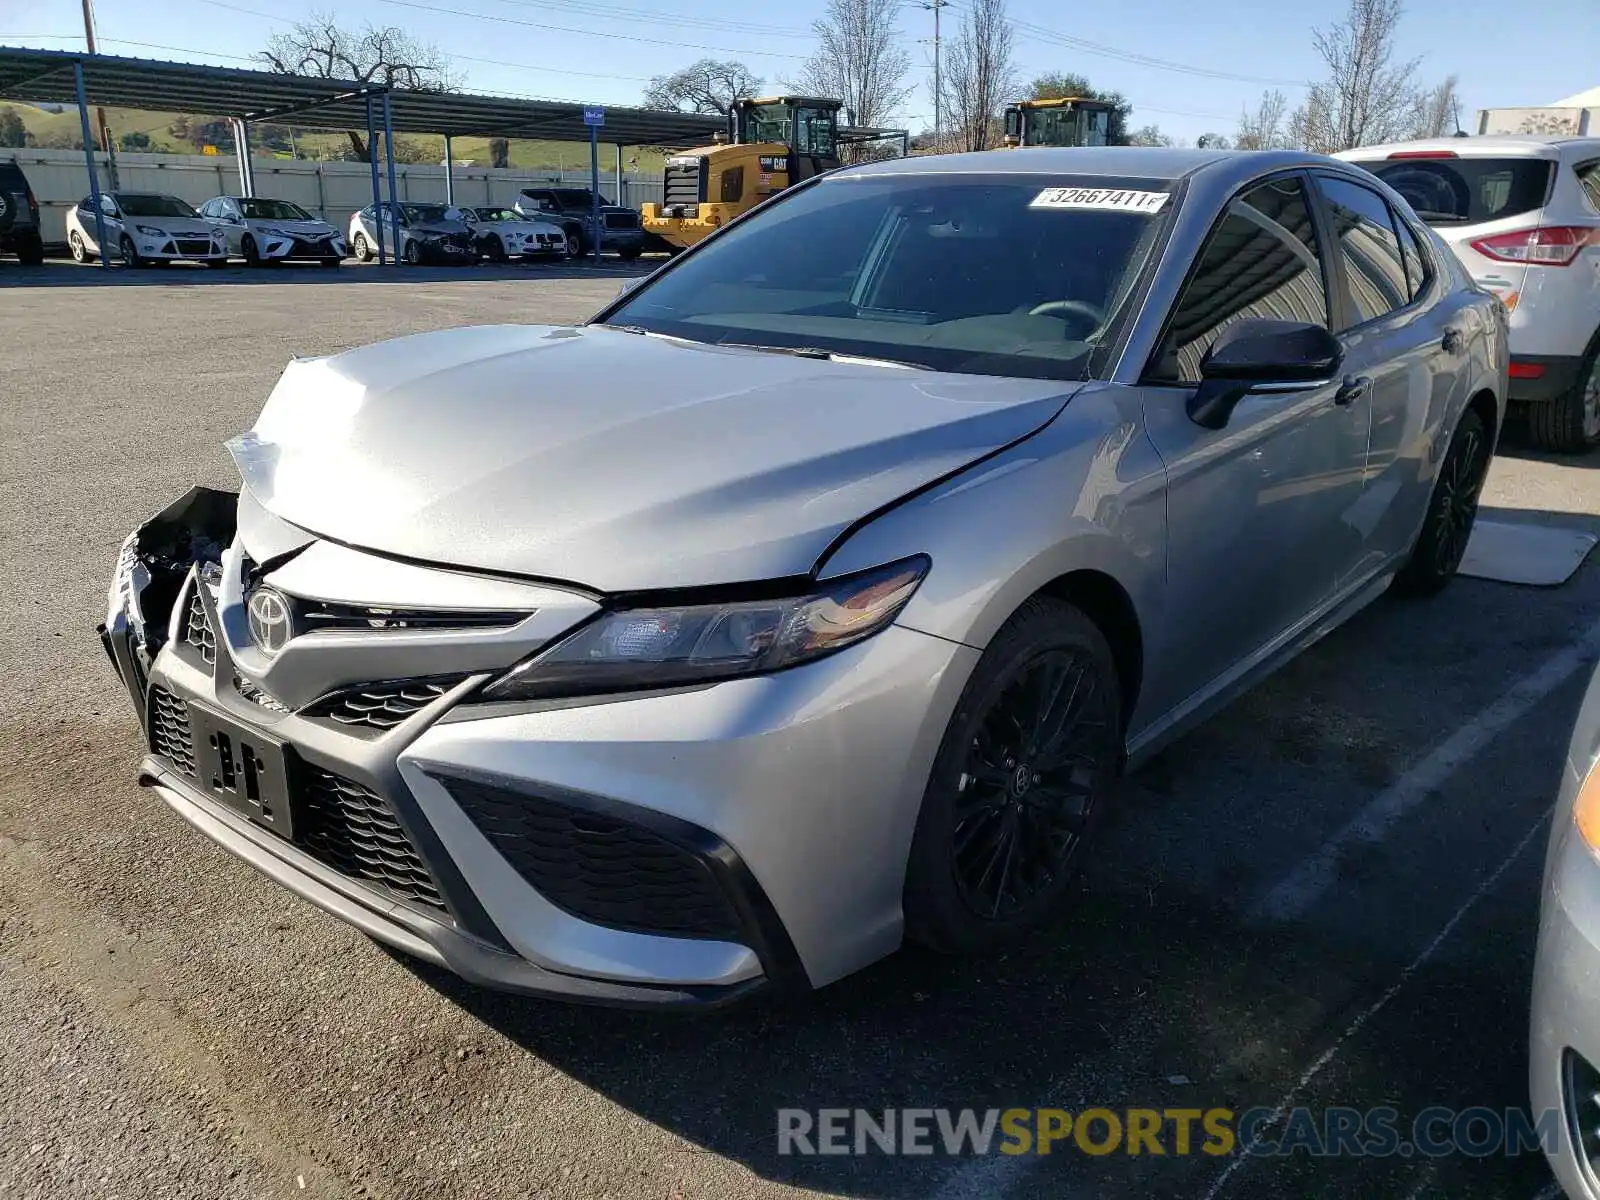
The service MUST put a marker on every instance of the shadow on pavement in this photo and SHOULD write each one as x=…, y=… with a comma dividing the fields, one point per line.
x=70, y=274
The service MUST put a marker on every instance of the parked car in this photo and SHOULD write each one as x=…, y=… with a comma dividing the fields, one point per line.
x=428, y=233
x=502, y=233
x=1564, y=1052
x=1523, y=215
x=621, y=230
x=813, y=594
x=145, y=227
x=263, y=231
x=19, y=217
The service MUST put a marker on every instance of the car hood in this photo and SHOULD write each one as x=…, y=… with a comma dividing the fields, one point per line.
x=437, y=228
x=613, y=460
x=305, y=229
x=174, y=226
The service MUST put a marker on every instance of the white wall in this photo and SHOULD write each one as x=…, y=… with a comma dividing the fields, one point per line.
x=1572, y=122
x=333, y=190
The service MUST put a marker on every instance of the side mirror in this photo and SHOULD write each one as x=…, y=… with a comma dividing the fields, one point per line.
x=1253, y=352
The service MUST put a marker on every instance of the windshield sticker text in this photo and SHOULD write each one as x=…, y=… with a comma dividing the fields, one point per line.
x=1112, y=199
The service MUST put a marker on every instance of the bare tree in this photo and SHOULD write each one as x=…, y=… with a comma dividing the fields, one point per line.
x=860, y=59
x=1368, y=96
x=1264, y=129
x=979, y=75
x=1149, y=135
x=708, y=86
x=1434, y=112
x=323, y=48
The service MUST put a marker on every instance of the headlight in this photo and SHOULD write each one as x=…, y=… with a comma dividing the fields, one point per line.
x=151, y=231
x=663, y=647
x=269, y=231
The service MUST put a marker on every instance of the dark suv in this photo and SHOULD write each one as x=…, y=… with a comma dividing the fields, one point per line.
x=621, y=230
x=19, y=217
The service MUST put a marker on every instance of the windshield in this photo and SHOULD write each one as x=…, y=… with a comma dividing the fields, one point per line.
x=986, y=274
x=138, y=204
x=1464, y=191
x=496, y=214
x=273, y=210
x=419, y=213
x=577, y=198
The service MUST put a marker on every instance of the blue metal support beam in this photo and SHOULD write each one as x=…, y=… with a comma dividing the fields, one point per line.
x=388, y=159
x=94, y=177
x=377, y=194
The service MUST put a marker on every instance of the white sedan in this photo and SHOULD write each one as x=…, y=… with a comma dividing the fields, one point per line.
x=143, y=227
x=502, y=233
x=262, y=231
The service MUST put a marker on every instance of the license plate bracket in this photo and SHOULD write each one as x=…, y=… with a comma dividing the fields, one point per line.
x=244, y=769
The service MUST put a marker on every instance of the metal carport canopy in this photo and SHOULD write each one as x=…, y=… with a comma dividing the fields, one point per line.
x=313, y=103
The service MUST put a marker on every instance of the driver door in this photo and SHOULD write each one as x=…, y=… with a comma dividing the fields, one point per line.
x=1259, y=512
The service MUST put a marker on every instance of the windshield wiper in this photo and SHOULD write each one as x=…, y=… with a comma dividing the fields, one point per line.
x=828, y=355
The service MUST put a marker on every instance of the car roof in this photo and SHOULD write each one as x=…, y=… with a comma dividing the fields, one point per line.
x=1520, y=145
x=1141, y=162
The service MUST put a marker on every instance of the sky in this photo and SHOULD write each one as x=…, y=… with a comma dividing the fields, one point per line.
x=1185, y=66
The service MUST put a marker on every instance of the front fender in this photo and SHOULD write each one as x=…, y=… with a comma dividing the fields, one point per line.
x=1085, y=493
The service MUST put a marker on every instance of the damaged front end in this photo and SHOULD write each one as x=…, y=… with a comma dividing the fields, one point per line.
x=189, y=535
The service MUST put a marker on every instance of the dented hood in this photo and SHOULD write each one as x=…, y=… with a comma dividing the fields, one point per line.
x=608, y=459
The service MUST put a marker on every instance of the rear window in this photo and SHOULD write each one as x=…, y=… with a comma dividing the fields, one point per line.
x=1466, y=191
x=11, y=178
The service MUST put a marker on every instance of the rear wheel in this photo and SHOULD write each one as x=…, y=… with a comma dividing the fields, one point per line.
x=30, y=251
x=359, y=247
x=79, y=248
x=1019, y=784
x=1452, y=510
x=1570, y=424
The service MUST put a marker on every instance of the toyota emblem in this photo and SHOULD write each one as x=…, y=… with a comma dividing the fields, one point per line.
x=271, y=626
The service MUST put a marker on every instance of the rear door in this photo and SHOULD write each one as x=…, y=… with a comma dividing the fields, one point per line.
x=1403, y=355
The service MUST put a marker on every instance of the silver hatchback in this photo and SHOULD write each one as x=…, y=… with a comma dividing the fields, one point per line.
x=812, y=596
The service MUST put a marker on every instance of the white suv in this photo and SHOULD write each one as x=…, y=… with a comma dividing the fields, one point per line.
x=1523, y=215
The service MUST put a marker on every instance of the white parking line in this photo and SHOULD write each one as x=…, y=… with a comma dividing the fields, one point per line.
x=1332, y=1052
x=1294, y=895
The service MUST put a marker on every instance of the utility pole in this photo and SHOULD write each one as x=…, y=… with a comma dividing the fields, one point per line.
x=99, y=112
x=938, y=90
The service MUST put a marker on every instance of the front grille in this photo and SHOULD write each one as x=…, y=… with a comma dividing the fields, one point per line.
x=684, y=183
x=321, y=248
x=353, y=830
x=621, y=220
x=321, y=614
x=380, y=706
x=170, y=736
x=198, y=632
x=600, y=868
x=193, y=246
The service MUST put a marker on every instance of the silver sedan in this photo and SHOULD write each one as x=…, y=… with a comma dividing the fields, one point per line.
x=813, y=595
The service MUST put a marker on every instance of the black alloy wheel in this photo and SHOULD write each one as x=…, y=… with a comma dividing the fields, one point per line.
x=1019, y=785
x=1452, y=511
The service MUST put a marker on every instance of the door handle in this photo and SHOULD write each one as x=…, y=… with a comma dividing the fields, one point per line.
x=1353, y=388
x=1452, y=341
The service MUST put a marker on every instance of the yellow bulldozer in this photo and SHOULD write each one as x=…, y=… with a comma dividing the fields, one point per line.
x=1069, y=121
x=773, y=143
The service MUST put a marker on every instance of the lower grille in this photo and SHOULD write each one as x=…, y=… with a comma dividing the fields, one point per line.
x=322, y=248
x=197, y=628
x=381, y=706
x=620, y=220
x=185, y=246
x=353, y=830
x=600, y=868
x=170, y=736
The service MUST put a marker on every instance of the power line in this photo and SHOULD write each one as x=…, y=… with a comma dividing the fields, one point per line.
x=1146, y=60
x=589, y=8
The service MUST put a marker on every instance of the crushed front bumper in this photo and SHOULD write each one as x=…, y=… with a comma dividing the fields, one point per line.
x=666, y=848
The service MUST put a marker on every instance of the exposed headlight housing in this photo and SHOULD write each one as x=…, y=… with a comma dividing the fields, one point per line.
x=629, y=649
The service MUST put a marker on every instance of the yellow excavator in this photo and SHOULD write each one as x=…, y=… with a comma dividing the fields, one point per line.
x=773, y=143
x=1069, y=121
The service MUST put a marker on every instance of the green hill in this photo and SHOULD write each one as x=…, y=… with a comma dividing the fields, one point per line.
x=164, y=131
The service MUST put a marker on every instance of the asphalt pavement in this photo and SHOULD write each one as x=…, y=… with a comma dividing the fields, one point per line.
x=1324, y=896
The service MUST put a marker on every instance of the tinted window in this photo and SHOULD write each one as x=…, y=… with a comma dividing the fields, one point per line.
x=986, y=274
x=576, y=198
x=1375, y=272
x=274, y=210
x=1417, y=270
x=1589, y=181
x=1260, y=261
x=141, y=204
x=732, y=184
x=1464, y=191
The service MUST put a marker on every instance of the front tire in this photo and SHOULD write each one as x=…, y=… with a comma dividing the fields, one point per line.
x=412, y=252
x=1570, y=424
x=629, y=253
x=30, y=251
x=1452, y=510
x=130, y=253
x=574, y=244
x=251, y=252
x=1019, y=784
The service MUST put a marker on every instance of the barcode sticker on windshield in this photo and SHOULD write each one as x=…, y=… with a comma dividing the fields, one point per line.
x=1110, y=199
